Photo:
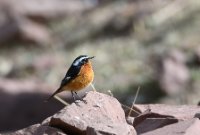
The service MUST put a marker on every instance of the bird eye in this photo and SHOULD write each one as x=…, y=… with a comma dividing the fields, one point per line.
x=85, y=61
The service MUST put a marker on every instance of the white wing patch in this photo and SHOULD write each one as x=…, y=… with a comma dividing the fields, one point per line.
x=68, y=77
x=79, y=60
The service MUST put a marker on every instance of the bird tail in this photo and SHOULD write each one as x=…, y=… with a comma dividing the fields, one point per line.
x=56, y=92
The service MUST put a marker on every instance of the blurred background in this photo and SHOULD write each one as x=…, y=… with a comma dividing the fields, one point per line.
x=151, y=44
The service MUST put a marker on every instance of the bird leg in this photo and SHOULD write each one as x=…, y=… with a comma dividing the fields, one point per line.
x=75, y=93
x=80, y=97
x=73, y=96
x=93, y=88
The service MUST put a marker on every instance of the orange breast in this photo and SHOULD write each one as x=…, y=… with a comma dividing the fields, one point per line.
x=84, y=78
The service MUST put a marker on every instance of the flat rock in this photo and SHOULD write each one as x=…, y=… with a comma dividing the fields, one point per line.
x=151, y=124
x=181, y=112
x=187, y=127
x=115, y=129
x=101, y=114
x=150, y=121
x=38, y=129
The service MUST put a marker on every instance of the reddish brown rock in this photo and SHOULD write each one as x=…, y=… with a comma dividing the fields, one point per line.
x=22, y=19
x=181, y=112
x=101, y=114
x=187, y=127
x=38, y=129
x=33, y=32
x=150, y=121
x=197, y=115
x=116, y=129
x=174, y=75
x=50, y=9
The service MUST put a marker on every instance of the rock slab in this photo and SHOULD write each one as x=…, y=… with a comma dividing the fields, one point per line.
x=187, y=127
x=101, y=114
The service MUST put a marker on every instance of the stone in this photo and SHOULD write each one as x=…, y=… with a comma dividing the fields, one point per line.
x=150, y=121
x=187, y=127
x=181, y=112
x=38, y=129
x=101, y=113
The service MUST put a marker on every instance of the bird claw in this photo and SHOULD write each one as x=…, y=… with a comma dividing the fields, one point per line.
x=84, y=101
x=78, y=101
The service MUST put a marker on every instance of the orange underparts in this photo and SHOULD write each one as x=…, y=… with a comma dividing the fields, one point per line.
x=84, y=78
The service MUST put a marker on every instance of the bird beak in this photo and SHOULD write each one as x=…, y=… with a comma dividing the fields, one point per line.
x=91, y=57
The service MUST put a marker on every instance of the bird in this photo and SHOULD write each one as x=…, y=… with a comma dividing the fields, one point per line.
x=79, y=76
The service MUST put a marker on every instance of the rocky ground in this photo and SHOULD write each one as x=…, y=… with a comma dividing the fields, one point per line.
x=150, y=44
x=103, y=115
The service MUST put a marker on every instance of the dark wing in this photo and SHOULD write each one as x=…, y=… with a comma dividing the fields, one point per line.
x=70, y=75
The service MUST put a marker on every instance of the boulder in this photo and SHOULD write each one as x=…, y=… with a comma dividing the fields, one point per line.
x=101, y=114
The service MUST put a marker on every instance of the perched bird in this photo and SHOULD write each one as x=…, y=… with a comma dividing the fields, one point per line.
x=79, y=76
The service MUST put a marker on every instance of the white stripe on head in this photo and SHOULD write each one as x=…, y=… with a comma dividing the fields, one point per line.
x=75, y=63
